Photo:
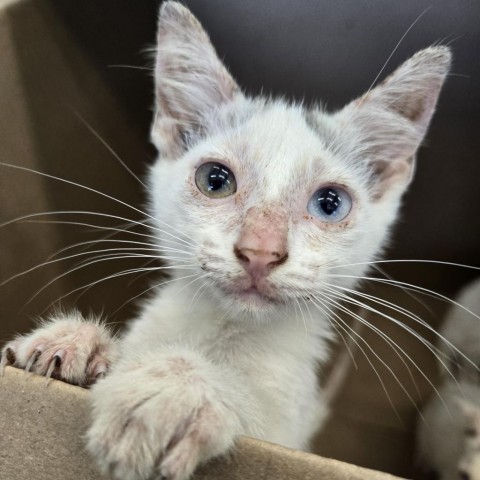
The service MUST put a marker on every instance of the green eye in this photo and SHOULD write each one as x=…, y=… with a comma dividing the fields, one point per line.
x=215, y=180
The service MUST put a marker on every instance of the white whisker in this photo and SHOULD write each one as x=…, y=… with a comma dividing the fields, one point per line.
x=394, y=50
x=397, y=308
x=192, y=302
x=50, y=262
x=133, y=67
x=108, y=147
x=58, y=277
x=391, y=342
x=303, y=317
x=345, y=327
x=26, y=219
x=407, y=292
x=452, y=264
x=90, y=189
x=411, y=286
x=158, y=285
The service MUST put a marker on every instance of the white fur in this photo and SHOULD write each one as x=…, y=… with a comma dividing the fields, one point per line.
x=462, y=329
x=200, y=365
x=66, y=346
x=442, y=445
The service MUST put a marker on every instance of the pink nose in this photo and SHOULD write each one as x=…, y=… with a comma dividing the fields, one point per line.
x=259, y=262
x=262, y=244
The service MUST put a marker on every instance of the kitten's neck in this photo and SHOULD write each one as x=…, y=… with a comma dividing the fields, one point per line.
x=285, y=326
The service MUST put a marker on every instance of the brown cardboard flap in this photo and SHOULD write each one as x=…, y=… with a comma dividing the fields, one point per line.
x=43, y=422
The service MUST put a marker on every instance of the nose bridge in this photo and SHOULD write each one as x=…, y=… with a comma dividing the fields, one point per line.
x=265, y=229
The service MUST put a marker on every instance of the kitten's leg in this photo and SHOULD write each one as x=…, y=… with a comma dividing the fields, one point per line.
x=160, y=414
x=66, y=347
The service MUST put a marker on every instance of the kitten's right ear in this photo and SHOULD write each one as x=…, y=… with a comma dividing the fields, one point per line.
x=190, y=80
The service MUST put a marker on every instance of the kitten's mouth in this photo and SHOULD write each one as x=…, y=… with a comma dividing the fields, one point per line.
x=249, y=292
x=254, y=295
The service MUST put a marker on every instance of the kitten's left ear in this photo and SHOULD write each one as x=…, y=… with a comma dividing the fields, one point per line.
x=190, y=80
x=389, y=122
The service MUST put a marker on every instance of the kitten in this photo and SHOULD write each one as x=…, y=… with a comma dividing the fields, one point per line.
x=448, y=441
x=461, y=329
x=261, y=202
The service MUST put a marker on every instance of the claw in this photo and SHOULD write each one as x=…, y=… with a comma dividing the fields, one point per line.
x=33, y=358
x=55, y=362
x=8, y=358
x=100, y=371
x=59, y=355
x=3, y=364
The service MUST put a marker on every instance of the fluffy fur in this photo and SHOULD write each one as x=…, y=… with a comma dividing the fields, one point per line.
x=461, y=329
x=227, y=349
x=448, y=441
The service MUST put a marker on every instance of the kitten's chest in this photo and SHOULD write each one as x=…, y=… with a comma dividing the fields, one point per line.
x=280, y=372
x=272, y=357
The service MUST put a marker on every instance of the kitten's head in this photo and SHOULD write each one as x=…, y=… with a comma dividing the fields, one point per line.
x=269, y=198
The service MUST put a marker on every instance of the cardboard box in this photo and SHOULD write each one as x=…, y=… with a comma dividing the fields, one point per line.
x=43, y=422
x=56, y=73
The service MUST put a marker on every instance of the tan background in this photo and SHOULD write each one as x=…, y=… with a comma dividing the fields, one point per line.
x=58, y=57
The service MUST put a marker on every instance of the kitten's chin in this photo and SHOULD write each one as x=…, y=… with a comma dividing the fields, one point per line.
x=254, y=298
x=251, y=300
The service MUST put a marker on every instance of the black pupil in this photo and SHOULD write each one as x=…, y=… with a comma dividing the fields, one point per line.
x=329, y=200
x=218, y=178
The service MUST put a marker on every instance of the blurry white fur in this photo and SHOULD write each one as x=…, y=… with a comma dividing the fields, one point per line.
x=448, y=441
x=233, y=348
x=462, y=330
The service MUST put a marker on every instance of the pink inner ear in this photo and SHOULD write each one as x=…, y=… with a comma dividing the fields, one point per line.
x=388, y=174
x=190, y=79
x=262, y=243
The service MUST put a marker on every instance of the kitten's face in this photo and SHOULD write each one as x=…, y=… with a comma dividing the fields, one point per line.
x=279, y=164
x=271, y=197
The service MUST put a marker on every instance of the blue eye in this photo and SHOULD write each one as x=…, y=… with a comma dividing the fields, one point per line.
x=330, y=204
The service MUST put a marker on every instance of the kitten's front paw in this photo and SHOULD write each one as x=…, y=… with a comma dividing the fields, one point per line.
x=67, y=347
x=159, y=422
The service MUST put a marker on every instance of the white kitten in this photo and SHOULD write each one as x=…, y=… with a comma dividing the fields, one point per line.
x=462, y=330
x=448, y=442
x=262, y=202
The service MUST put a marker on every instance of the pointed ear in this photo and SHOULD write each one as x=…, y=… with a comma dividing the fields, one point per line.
x=390, y=121
x=190, y=80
